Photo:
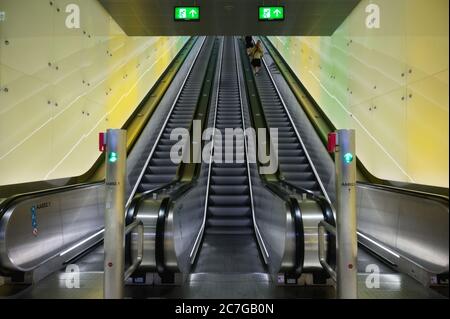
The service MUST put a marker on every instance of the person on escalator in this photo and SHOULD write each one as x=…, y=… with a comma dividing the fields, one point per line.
x=256, y=55
x=249, y=44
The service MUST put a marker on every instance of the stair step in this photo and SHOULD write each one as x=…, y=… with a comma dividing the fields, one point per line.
x=229, y=200
x=229, y=222
x=229, y=230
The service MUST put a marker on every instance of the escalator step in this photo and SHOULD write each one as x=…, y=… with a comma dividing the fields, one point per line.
x=229, y=222
x=229, y=230
x=300, y=176
x=224, y=211
x=157, y=178
x=229, y=200
x=162, y=169
x=230, y=171
x=229, y=180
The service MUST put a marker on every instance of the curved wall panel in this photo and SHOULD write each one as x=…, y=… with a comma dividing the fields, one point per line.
x=61, y=86
x=389, y=83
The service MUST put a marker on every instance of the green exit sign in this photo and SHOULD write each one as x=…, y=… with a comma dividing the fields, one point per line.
x=187, y=13
x=271, y=13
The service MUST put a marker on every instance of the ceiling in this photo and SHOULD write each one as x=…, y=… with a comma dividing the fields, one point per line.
x=229, y=17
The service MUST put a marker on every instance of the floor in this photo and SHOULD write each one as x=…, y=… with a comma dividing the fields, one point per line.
x=216, y=286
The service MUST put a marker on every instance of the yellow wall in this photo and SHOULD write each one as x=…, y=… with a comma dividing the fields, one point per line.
x=390, y=84
x=51, y=114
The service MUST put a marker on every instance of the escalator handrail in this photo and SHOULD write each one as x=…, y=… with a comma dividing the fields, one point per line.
x=179, y=189
x=299, y=236
x=13, y=200
x=86, y=178
x=159, y=235
x=133, y=205
x=259, y=236
x=376, y=181
x=408, y=192
x=284, y=193
x=318, y=179
x=327, y=208
x=292, y=203
x=198, y=239
x=144, y=168
x=6, y=204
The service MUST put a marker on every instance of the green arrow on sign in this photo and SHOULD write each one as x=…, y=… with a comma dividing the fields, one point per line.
x=187, y=13
x=271, y=13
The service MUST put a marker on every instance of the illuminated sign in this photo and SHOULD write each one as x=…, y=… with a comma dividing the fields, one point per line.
x=187, y=13
x=271, y=13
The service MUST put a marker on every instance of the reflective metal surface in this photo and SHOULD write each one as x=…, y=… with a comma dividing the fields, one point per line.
x=148, y=215
x=311, y=215
x=347, y=241
x=187, y=215
x=228, y=237
x=159, y=169
x=409, y=231
x=137, y=232
x=412, y=230
x=71, y=221
x=63, y=220
x=114, y=235
x=272, y=214
x=325, y=228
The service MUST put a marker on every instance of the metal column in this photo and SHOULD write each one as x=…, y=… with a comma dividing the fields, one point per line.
x=347, y=244
x=114, y=238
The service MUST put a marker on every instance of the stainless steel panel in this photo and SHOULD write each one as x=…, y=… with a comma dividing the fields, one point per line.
x=410, y=225
x=413, y=227
x=187, y=221
x=148, y=214
x=170, y=257
x=276, y=225
x=63, y=220
x=311, y=215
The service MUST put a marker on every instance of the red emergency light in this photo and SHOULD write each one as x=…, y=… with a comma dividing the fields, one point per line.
x=332, y=142
x=101, y=142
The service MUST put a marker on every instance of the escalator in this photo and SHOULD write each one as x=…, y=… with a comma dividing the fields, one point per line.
x=233, y=221
x=229, y=243
x=159, y=168
x=383, y=206
x=70, y=219
x=295, y=165
x=211, y=227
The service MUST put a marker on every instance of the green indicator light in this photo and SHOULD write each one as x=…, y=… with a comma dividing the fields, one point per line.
x=348, y=158
x=187, y=13
x=271, y=13
x=112, y=157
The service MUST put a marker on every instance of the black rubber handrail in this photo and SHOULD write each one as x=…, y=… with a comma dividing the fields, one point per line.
x=328, y=216
x=276, y=188
x=13, y=200
x=299, y=237
x=159, y=236
x=409, y=192
x=377, y=182
x=292, y=202
x=87, y=179
x=178, y=189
